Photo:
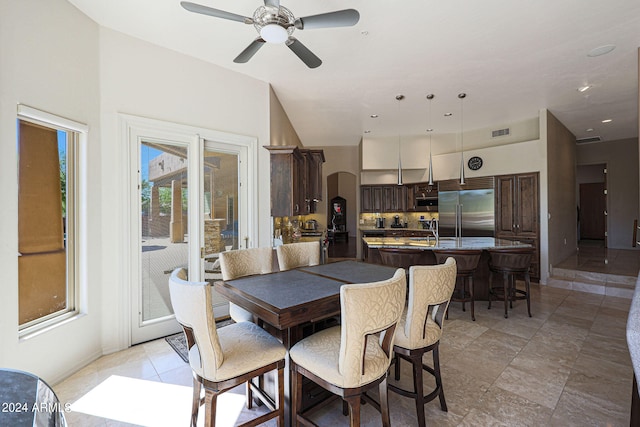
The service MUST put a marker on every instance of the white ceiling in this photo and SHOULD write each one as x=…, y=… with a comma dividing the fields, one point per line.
x=510, y=57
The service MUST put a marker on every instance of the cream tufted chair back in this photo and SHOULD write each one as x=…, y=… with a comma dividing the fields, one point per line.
x=367, y=309
x=294, y=255
x=187, y=300
x=244, y=262
x=430, y=288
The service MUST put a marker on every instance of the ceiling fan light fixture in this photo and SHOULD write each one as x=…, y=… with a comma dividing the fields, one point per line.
x=274, y=33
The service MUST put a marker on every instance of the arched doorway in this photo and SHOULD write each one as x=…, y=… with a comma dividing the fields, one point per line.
x=343, y=184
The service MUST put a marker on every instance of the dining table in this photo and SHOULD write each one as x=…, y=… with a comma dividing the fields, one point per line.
x=287, y=302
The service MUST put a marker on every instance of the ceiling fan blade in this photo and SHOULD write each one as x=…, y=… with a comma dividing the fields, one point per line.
x=249, y=51
x=205, y=10
x=340, y=18
x=303, y=53
x=272, y=3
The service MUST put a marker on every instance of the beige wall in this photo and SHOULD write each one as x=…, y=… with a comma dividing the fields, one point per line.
x=562, y=199
x=621, y=158
x=282, y=131
x=49, y=62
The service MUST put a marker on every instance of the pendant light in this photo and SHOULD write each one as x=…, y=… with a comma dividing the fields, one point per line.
x=462, y=96
x=399, y=98
x=430, y=131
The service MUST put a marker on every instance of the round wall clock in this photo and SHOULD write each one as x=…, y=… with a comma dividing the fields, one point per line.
x=475, y=163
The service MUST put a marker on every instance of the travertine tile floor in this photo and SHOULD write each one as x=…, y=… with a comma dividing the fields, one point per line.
x=568, y=365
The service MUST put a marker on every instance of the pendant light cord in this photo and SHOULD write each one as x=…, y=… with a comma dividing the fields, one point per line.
x=399, y=98
x=462, y=96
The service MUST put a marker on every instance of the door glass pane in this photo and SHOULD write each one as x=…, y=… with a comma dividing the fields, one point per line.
x=220, y=201
x=220, y=207
x=163, y=198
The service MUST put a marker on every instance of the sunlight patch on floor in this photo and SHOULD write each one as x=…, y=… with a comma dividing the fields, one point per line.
x=151, y=404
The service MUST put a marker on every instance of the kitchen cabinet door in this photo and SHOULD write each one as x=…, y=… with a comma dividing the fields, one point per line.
x=394, y=198
x=287, y=171
x=312, y=177
x=366, y=198
x=517, y=212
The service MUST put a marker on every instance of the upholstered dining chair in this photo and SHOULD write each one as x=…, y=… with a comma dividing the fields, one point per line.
x=240, y=263
x=420, y=329
x=224, y=358
x=294, y=255
x=353, y=357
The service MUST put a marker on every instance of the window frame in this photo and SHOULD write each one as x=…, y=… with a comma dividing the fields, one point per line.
x=77, y=134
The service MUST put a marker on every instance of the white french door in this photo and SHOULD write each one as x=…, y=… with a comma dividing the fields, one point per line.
x=189, y=202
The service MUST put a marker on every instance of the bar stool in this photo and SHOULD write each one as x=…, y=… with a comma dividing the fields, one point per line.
x=510, y=263
x=400, y=258
x=467, y=262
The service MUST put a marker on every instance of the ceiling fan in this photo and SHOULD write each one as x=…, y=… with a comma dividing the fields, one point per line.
x=276, y=24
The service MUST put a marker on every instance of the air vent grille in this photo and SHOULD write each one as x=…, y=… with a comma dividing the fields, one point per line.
x=500, y=132
x=588, y=140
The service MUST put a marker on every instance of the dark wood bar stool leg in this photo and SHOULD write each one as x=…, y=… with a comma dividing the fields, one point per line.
x=511, y=263
x=466, y=262
x=472, y=297
x=506, y=282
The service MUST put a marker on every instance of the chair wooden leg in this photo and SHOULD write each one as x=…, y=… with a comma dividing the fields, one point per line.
x=505, y=284
x=473, y=309
x=512, y=289
x=416, y=361
x=195, y=404
x=249, y=395
x=354, y=410
x=436, y=373
x=527, y=289
x=279, y=401
x=210, y=400
x=490, y=289
x=296, y=396
x=397, y=367
x=384, y=403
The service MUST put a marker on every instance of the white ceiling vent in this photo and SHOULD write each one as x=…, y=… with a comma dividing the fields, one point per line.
x=588, y=140
x=500, y=132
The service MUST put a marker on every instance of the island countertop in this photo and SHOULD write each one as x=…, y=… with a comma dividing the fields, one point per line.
x=482, y=243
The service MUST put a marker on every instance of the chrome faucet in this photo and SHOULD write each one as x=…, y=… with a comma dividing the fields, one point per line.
x=433, y=227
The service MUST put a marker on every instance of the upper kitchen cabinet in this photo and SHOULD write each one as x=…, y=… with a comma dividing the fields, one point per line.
x=383, y=198
x=313, y=160
x=296, y=180
x=382, y=154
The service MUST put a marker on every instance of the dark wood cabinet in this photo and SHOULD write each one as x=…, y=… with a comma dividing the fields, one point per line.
x=517, y=212
x=383, y=198
x=411, y=198
x=296, y=180
x=312, y=177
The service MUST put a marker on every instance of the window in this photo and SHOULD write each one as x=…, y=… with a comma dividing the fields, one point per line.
x=47, y=216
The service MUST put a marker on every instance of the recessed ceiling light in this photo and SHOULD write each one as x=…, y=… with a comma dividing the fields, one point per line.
x=374, y=116
x=584, y=88
x=448, y=114
x=589, y=130
x=607, y=120
x=601, y=50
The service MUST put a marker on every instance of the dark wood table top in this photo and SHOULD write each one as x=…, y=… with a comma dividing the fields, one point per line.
x=290, y=298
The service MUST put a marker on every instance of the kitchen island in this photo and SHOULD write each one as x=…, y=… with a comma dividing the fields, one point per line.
x=428, y=244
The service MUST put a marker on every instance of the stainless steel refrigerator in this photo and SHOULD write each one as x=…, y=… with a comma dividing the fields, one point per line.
x=466, y=213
